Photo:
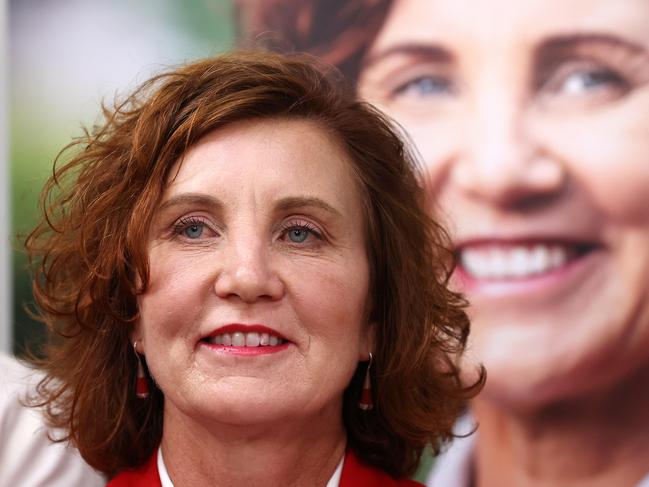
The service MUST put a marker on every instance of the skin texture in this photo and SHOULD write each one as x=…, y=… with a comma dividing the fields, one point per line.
x=531, y=119
x=262, y=224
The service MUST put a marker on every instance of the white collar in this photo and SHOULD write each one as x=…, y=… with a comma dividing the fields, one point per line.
x=334, y=481
x=162, y=471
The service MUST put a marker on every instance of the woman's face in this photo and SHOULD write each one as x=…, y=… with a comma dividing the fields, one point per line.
x=532, y=118
x=256, y=308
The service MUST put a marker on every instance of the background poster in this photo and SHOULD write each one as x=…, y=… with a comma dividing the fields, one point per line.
x=536, y=111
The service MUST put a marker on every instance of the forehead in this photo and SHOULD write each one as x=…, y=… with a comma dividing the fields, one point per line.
x=486, y=23
x=268, y=158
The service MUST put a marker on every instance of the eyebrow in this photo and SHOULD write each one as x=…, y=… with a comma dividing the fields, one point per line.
x=285, y=204
x=438, y=53
x=299, y=202
x=576, y=41
x=433, y=52
x=196, y=199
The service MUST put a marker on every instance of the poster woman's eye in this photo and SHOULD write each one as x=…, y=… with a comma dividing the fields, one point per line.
x=425, y=86
x=585, y=79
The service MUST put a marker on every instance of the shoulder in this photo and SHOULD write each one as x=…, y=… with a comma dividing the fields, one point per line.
x=145, y=476
x=27, y=456
x=14, y=375
x=358, y=474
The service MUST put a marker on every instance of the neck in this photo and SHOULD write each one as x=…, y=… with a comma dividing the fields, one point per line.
x=601, y=440
x=304, y=452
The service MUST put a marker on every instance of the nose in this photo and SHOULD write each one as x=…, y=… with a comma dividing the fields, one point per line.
x=502, y=163
x=246, y=272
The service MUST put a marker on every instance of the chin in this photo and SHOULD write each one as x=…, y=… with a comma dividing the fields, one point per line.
x=529, y=386
x=245, y=410
x=525, y=396
x=539, y=359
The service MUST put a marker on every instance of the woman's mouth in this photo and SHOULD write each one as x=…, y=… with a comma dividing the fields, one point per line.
x=240, y=339
x=243, y=339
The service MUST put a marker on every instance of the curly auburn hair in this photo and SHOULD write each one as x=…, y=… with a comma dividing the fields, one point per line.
x=89, y=260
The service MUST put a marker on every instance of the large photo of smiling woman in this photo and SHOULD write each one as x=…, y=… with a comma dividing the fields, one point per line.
x=532, y=119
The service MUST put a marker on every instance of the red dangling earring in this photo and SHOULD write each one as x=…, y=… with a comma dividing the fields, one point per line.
x=141, y=385
x=365, y=403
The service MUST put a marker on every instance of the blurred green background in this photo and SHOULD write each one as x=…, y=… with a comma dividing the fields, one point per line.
x=65, y=56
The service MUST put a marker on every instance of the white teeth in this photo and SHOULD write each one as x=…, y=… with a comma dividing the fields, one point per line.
x=252, y=339
x=518, y=264
x=240, y=339
x=538, y=258
x=496, y=262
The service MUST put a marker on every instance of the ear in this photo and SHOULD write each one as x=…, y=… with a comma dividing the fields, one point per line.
x=367, y=342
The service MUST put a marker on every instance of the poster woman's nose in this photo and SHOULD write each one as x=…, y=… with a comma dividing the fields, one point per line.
x=502, y=162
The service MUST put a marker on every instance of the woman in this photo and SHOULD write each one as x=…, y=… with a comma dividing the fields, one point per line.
x=232, y=263
x=531, y=117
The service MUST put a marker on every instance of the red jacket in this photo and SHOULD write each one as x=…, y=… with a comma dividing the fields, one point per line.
x=355, y=474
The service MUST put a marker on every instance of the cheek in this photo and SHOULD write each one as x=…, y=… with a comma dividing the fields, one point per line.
x=436, y=143
x=173, y=297
x=607, y=155
x=437, y=134
x=331, y=303
x=620, y=191
x=170, y=312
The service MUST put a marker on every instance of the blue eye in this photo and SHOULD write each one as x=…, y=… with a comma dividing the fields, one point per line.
x=194, y=231
x=298, y=235
x=193, y=228
x=582, y=81
x=426, y=86
x=300, y=232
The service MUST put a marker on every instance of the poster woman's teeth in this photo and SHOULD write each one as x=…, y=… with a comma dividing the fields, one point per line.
x=517, y=261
